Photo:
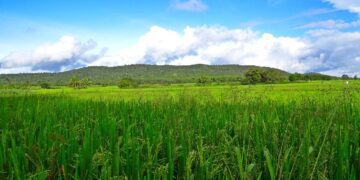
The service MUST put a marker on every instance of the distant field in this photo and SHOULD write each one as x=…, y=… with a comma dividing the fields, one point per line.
x=306, y=130
x=216, y=92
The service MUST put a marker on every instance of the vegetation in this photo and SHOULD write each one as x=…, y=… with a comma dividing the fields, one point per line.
x=290, y=131
x=145, y=74
x=309, y=76
x=203, y=80
x=257, y=75
x=209, y=131
x=254, y=75
x=345, y=77
x=45, y=85
x=79, y=84
x=127, y=83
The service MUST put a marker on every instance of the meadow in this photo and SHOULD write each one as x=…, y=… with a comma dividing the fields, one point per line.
x=306, y=130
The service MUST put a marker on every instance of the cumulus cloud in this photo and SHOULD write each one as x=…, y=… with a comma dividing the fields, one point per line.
x=331, y=24
x=337, y=52
x=67, y=53
x=329, y=51
x=350, y=5
x=190, y=5
x=212, y=45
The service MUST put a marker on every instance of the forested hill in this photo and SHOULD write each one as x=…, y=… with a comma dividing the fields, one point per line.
x=142, y=73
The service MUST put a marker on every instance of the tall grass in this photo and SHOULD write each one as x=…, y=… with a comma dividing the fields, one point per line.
x=58, y=137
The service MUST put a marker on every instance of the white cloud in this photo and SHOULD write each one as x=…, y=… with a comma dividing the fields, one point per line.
x=65, y=54
x=190, y=5
x=329, y=51
x=332, y=24
x=339, y=51
x=322, y=50
x=212, y=45
x=350, y=5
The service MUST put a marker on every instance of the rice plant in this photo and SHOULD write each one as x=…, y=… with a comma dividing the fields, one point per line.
x=62, y=137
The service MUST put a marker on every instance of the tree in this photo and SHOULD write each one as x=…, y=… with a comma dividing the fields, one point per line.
x=355, y=77
x=253, y=75
x=74, y=82
x=85, y=82
x=45, y=85
x=296, y=77
x=79, y=84
x=203, y=80
x=345, y=77
x=272, y=76
x=127, y=83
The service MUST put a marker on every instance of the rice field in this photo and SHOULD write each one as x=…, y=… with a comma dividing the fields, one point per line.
x=291, y=131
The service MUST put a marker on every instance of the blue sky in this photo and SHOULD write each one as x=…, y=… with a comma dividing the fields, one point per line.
x=58, y=35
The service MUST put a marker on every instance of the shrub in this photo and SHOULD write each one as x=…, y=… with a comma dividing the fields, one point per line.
x=79, y=84
x=253, y=75
x=202, y=80
x=127, y=83
x=45, y=85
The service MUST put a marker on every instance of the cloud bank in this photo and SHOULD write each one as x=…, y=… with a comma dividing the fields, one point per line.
x=327, y=51
x=322, y=50
x=67, y=53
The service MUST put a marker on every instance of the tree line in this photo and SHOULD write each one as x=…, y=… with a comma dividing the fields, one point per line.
x=253, y=75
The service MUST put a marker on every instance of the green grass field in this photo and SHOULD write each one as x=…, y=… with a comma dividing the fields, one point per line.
x=305, y=130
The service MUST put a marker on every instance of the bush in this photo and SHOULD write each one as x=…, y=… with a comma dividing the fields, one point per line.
x=79, y=84
x=256, y=75
x=127, y=83
x=45, y=85
x=272, y=76
x=296, y=77
x=308, y=77
x=253, y=75
x=202, y=80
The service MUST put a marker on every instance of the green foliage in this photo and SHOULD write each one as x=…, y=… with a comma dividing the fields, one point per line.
x=270, y=76
x=85, y=82
x=309, y=76
x=203, y=80
x=127, y=83
x=79, y=84
x=314, y=136
x=317, y=76
x=345, y=77
x=146, y=74
x=254, y=75
x=296, y=77
x=45, y=85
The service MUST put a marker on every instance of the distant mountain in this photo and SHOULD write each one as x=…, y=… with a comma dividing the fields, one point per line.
x=143, y=73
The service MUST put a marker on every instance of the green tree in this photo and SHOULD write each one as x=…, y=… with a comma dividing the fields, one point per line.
x=296, y=77
x=203, y=80
x=345, y=77
x=272, y=76
x=127, y=83
x=85, y=83
x=254, y=75
x=79, y=84
x=45, y=85
x=74, y=82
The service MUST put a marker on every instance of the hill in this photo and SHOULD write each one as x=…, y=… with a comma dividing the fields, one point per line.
x=143, y=73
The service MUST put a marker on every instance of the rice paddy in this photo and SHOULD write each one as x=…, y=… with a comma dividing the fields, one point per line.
x=291, y=131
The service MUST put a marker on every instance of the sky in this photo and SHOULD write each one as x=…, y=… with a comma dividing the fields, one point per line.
x=294, y=35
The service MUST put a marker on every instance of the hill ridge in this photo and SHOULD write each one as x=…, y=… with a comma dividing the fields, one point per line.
x=142, y=72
